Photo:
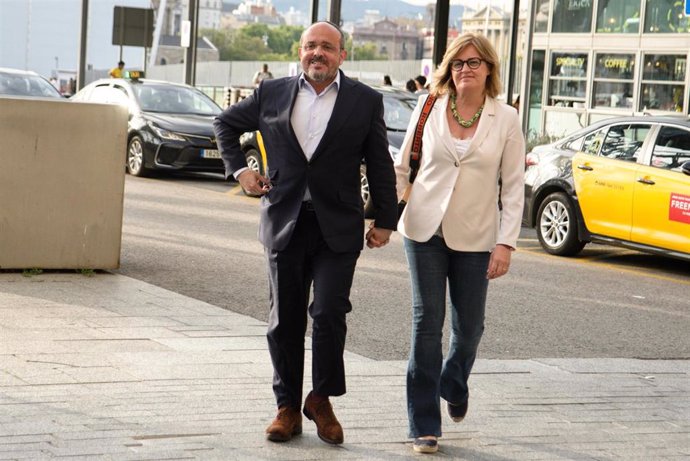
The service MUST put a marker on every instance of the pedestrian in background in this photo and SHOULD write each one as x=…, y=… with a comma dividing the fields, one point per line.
x=411, y=86
x=420, y=83
x=455, y=235
x=262, y=74
x=387, y=80
x=117, y=72
x=317, y=127
x=516, y=103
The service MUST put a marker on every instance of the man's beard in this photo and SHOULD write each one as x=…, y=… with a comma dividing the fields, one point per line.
x=319, y=76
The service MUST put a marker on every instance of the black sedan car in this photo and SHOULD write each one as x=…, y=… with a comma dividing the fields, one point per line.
x=170, y=125
x=397, y=107
x=621, y=181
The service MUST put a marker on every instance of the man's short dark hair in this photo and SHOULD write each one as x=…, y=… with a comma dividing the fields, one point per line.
x=121, y=63
x=421, y=79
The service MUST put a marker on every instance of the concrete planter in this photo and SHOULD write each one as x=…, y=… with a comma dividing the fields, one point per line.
x=62, y=167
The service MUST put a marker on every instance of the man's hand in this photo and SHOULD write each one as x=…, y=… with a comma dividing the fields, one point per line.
x=253, y=182
x=377, y=237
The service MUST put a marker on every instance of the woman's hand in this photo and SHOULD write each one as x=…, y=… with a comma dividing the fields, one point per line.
x=377, y=237
x=499, y=262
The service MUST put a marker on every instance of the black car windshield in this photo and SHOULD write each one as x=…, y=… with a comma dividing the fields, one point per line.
x=174, y=99
x=397, y=112
x=26, y=85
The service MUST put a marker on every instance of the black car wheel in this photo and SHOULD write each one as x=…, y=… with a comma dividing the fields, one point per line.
x=557, y=226
x=135, y=158
x=254, y=163
x=364, y=191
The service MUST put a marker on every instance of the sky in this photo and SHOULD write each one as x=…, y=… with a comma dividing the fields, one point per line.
x=470, y=3
x=53, y=33
x=43, y=35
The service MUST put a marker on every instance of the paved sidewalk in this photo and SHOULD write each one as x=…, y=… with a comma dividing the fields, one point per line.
x=107, y=367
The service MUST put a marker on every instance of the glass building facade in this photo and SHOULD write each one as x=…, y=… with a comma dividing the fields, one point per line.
x=593, y=59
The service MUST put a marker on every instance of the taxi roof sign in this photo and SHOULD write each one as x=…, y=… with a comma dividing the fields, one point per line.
x=134, y=74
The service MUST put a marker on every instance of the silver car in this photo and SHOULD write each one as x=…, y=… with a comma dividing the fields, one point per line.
x=22, y=83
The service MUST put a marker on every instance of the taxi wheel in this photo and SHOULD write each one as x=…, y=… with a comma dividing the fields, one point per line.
x=254, y=163
x=135, y=158
x=557, y=226
x=364, y=191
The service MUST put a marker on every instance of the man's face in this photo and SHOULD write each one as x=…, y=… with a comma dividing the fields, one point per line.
x=320, y=53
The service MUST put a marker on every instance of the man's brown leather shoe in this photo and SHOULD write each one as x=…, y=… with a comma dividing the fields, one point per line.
x=321, y=412
x=287, y=423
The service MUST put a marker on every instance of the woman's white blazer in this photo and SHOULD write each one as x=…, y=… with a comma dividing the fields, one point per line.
x=460, y=193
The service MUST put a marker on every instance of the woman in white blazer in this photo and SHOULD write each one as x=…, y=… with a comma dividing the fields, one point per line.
x=456, y=234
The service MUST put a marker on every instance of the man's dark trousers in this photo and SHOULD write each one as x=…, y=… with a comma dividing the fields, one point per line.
x=306, y=260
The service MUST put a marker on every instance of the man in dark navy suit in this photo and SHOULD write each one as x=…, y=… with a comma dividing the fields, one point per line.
x=317, y=128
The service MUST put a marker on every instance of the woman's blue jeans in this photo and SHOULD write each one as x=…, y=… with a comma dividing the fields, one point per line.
x=433, y=266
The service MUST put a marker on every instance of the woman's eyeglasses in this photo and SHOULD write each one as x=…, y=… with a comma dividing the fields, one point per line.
x=472, y=63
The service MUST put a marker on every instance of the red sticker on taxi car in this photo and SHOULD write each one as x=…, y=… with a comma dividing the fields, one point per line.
x=679, y=208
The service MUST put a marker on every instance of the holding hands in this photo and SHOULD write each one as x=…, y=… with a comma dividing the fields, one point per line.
x=377, y=237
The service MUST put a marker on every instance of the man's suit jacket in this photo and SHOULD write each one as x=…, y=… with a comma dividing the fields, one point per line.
x=355, y=131
x=461, y=193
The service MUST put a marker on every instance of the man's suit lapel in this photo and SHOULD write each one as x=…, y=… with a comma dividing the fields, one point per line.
x=344, y=106
x=291, y=89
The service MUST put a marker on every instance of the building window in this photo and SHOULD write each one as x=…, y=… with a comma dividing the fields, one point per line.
x=618, y=16
x=663, y=78
x=665, y=16
x=572, y=16
x=536, y=87
x=613, y=80
x=541, y=20
x=568, y=80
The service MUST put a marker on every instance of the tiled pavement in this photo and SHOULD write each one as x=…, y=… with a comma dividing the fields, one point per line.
x=110, y=368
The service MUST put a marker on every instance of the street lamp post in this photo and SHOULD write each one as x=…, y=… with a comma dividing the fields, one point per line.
x=81, y=74
x=28, y=35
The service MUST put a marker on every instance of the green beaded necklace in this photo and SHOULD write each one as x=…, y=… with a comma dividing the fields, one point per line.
x=456, y=116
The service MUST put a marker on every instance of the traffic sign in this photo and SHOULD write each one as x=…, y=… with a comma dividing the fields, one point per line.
x=132, y=26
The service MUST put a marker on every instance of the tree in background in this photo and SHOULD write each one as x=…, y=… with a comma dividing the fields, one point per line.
x=256, y=42
x=365, y=52
x=259, y=42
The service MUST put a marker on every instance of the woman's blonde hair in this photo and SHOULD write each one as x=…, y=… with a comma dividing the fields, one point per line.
x=443, y=81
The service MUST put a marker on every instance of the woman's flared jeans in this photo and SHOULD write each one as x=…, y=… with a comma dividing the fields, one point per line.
x=433, y=266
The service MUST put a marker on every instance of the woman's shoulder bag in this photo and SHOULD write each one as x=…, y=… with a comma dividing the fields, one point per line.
x=416, y=151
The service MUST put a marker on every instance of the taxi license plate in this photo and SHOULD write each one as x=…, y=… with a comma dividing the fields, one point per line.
x=210, y=153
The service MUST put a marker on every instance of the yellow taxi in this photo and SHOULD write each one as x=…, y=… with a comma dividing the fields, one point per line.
x=622, y=181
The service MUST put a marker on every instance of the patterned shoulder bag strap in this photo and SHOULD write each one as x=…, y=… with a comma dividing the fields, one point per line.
x=416, y=152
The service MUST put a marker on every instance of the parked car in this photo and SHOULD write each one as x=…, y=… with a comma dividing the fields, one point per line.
x=170, y=125
x=397, y=106
x=15, y=82
x=622, y=181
